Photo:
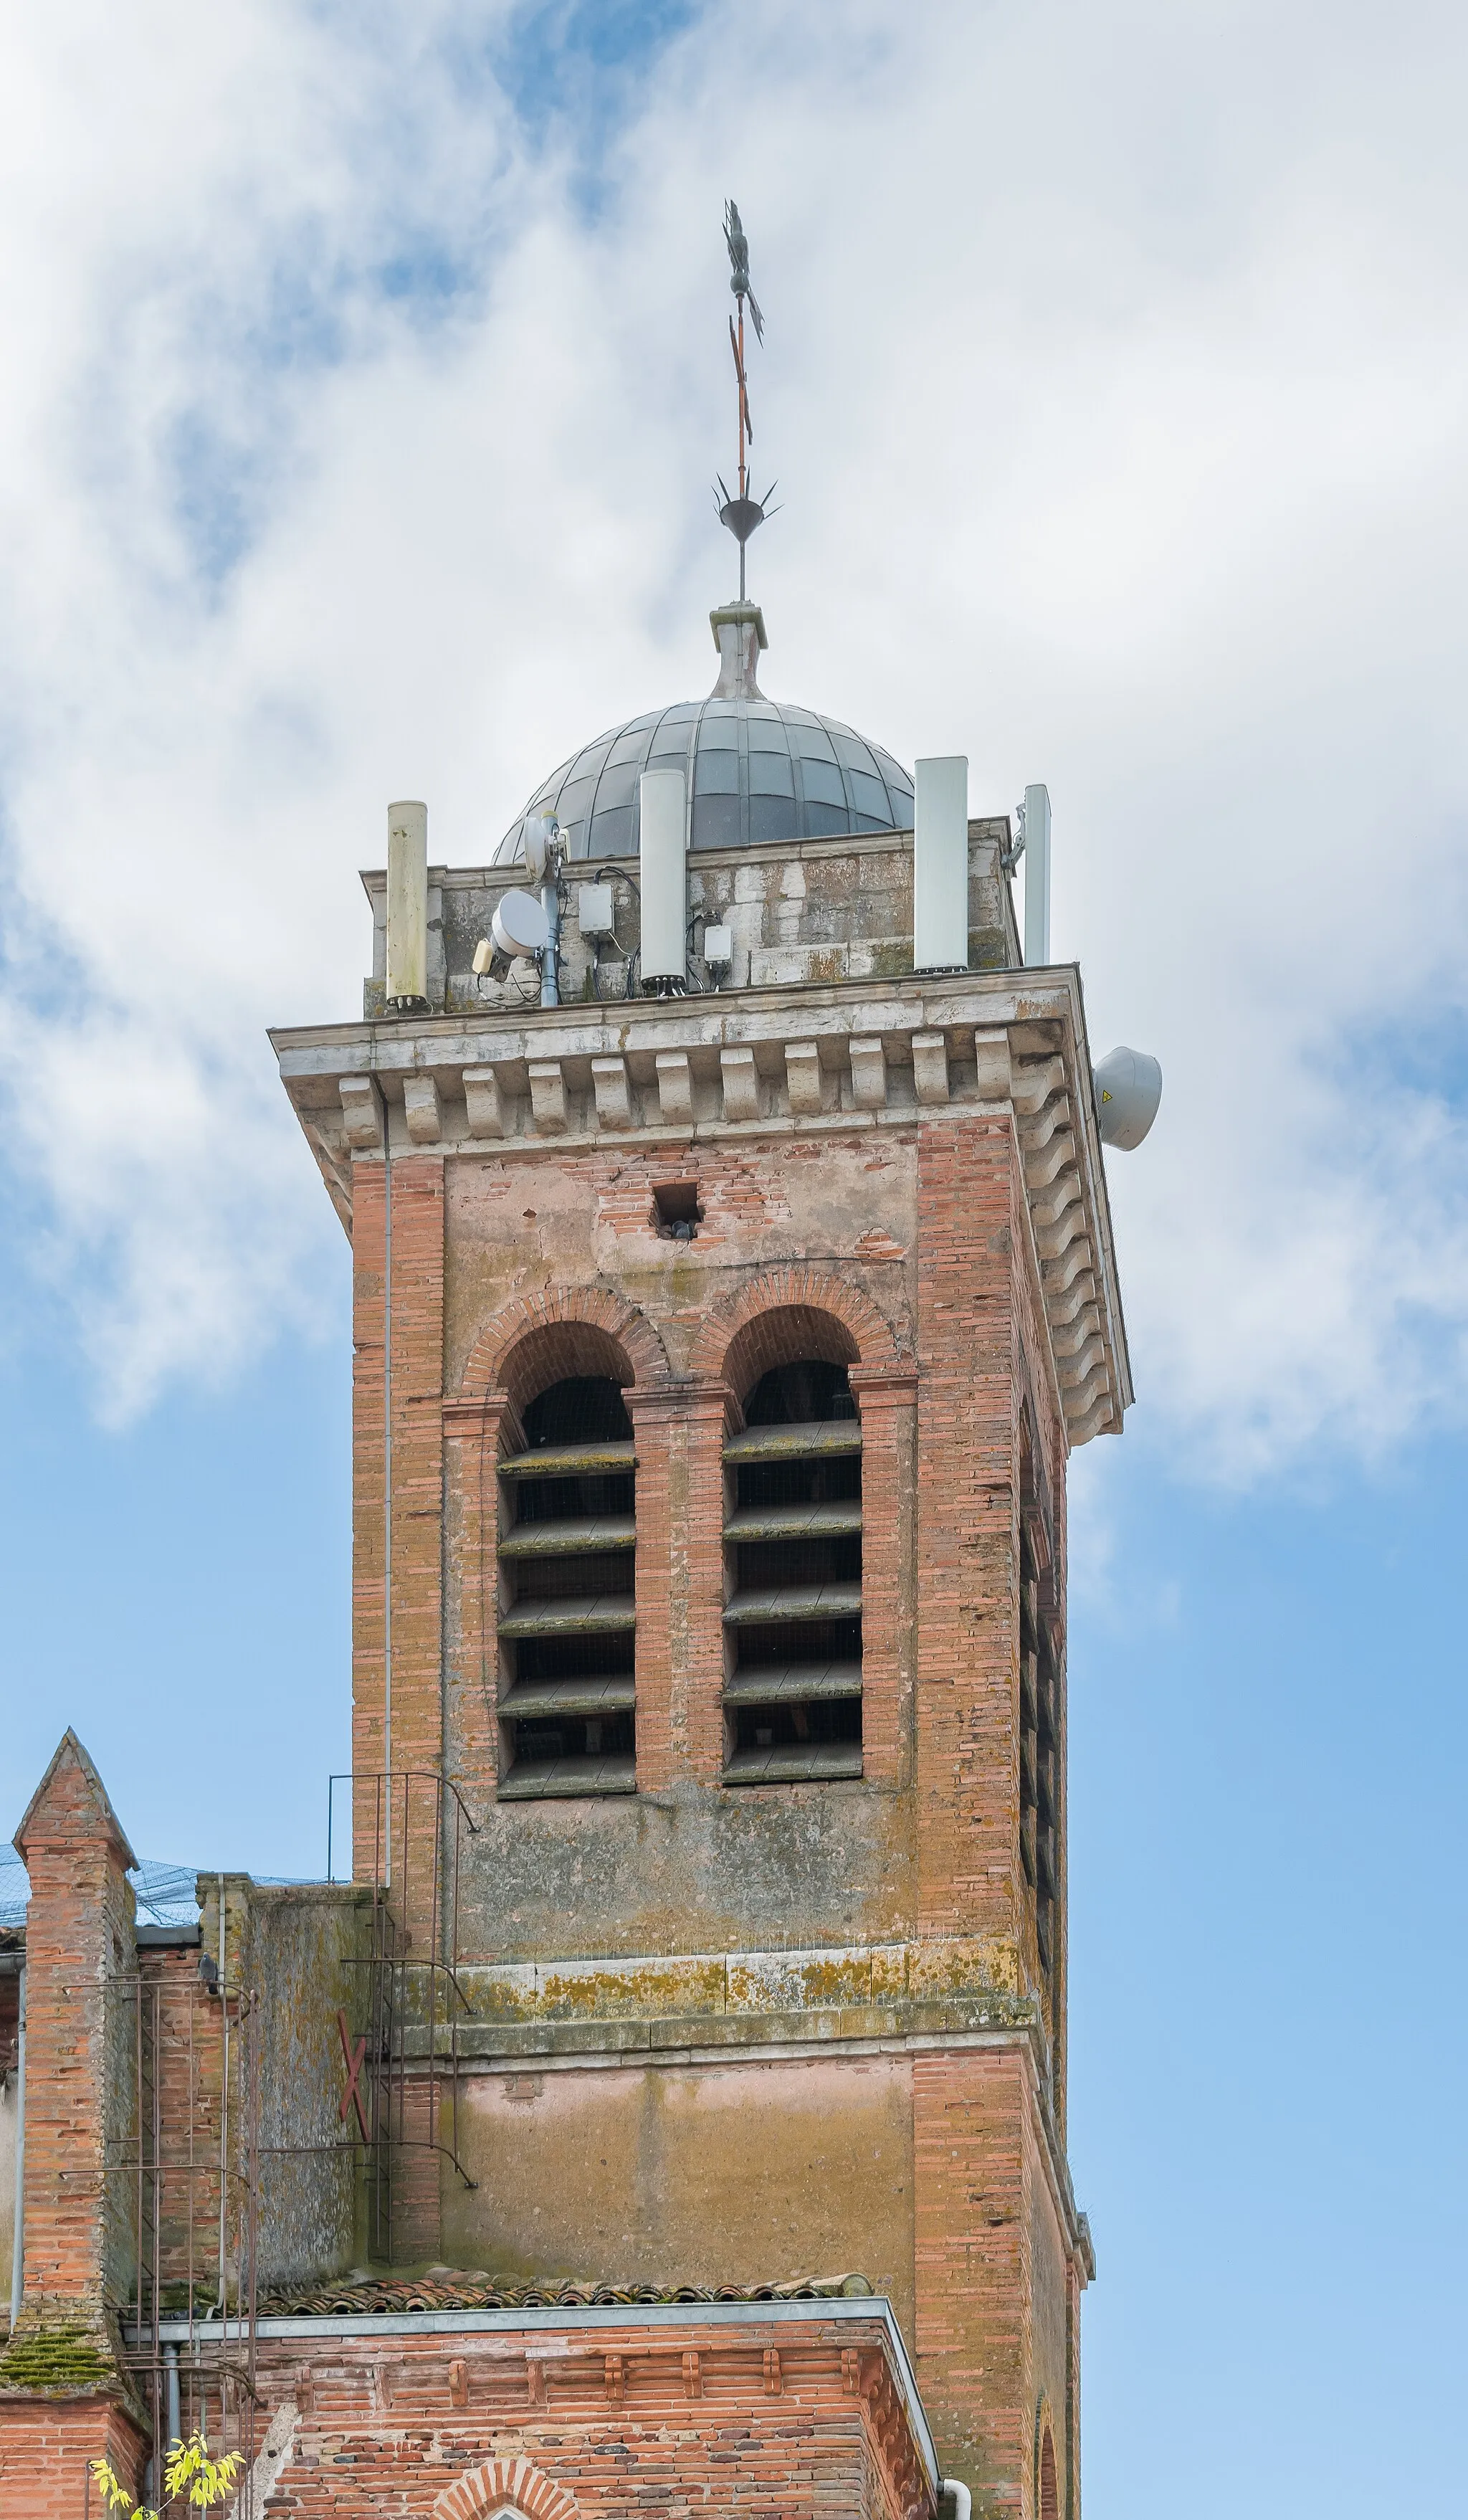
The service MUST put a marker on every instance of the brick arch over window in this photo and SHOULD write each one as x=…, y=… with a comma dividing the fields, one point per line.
x=567, y=1331
x=786, y=1314
x=506, y=2484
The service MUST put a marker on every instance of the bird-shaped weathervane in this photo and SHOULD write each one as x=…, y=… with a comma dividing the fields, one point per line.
x=739, y=512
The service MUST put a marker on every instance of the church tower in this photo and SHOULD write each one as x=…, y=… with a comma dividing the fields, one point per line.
x=734, y=1277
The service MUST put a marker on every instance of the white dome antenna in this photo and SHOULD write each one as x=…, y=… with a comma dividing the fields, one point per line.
x=1128, y=1090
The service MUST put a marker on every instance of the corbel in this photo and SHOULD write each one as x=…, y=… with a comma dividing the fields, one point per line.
x=548, y=1097
x=421, y=1107
x=486, y=1103
x=675, y=1087
x=361, y=1114
x=609, y=1085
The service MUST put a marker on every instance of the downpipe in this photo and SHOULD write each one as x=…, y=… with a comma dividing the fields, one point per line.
x=18, y=2249
x=963, y=2499
x=549, y=961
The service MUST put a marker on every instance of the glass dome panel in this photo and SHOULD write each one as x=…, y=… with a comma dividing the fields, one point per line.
x=773, y=818
x=758, y=771
x=771, y=775
x=617, y=784
x=716, y=823
x=823, y=783
x=717, y=774
x=869, y=796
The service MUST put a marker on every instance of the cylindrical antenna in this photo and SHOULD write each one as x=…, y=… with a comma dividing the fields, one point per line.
x=663, y=808
x=939, y=864
x=407, y=907
x=1036, y=878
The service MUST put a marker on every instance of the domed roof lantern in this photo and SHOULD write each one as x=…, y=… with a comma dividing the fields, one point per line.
x=754, y=770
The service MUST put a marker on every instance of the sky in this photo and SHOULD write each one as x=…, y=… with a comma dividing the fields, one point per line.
x=366, y=377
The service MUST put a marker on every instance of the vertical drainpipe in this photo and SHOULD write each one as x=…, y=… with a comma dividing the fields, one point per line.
x=172, y=2415
x=386, y=1493
x=549, y=902
x=18, y=2249
x=224, y=2110
x=407, y=991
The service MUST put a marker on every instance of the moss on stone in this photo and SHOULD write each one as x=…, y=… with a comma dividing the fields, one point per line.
x=67, y=2359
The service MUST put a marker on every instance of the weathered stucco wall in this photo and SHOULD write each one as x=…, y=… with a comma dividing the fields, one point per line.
x=296, y=1947
x=754, y=2173
x=687, y=1865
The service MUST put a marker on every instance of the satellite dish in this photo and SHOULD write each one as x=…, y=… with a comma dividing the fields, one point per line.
x=519, y=925
x=1128, y=1090
x=540, y=831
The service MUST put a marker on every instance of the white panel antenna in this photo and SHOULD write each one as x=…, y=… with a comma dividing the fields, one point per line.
x=939, y=864
x=1036, y=878
x=407, y=982
x=663, y=803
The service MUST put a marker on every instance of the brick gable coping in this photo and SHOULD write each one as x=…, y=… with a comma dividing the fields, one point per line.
x=93, y=1802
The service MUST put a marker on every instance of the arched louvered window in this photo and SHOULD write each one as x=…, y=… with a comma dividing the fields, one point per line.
x=792, y=1694
x=1039, y=1676
x=1050, y=2481
x=568, y=1607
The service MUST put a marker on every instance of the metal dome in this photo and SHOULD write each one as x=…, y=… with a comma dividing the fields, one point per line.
x=755, y=770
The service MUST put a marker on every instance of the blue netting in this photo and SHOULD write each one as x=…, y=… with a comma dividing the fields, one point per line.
x=166, y=1893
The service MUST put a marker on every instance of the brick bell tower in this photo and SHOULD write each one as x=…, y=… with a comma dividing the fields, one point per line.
x=733, y=1276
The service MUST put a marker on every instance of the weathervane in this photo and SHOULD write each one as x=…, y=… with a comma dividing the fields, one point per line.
x=740, y=513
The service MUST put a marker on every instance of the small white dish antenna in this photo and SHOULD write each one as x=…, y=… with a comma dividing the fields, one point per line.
x=1128, y=1090
x=519, y=925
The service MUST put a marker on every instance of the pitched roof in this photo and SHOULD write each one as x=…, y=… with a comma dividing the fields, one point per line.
x=444, y=2289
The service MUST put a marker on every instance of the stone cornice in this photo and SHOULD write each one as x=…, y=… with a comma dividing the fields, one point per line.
x=759, y=1064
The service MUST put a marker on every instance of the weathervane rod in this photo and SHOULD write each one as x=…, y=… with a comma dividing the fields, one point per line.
x=741, y=513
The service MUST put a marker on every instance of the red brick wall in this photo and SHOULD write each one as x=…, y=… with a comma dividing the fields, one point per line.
x=189, y=2066
x=417, y=1714
x=46, y=2450
x=886, y=1396
x=973, y=2254
x=967, y=1753
x=787, y=2421
x=680, y=1583
x=996, y=2328
x=948, y=1282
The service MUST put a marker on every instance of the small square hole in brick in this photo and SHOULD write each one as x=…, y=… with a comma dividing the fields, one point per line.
x=676, y=1211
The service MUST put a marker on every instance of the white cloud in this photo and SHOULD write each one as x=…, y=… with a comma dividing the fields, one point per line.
x=1116, y=382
